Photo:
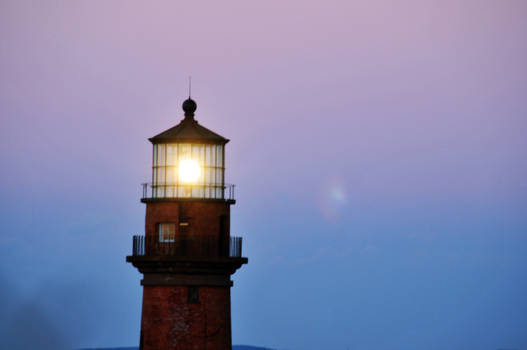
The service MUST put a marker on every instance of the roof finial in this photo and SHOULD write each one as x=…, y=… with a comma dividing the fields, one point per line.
x=189, y=105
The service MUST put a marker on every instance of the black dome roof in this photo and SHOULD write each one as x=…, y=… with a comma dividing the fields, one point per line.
x=189, y=130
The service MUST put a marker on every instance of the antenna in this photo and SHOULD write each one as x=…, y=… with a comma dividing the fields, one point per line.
x=189, y=85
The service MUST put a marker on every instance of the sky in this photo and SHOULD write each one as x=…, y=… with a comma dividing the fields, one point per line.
x=377, y=147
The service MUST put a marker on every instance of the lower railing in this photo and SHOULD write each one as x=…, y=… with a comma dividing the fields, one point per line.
x=200, y=246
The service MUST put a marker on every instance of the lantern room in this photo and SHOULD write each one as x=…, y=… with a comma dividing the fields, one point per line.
x=188, y=161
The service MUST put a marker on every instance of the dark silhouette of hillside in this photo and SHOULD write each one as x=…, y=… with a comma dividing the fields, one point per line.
x=234, y=347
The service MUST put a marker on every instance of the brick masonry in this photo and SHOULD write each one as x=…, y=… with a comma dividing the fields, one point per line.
x=170, y=322
x=203, y=217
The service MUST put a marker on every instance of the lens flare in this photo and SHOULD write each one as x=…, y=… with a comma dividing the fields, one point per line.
x=189, y=171
x=334, y=199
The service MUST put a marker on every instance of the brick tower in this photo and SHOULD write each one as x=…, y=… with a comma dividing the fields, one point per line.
x=187, y=254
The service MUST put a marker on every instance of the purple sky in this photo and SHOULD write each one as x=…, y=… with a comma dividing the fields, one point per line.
x=378, y=148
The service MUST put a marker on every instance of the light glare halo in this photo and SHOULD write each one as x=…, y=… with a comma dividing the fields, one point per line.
x=189, y=171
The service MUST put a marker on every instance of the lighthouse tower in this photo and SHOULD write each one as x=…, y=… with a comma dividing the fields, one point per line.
x=187, y=254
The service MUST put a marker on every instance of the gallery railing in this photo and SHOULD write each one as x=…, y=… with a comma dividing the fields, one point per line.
x=202, y=191
x=204, y=246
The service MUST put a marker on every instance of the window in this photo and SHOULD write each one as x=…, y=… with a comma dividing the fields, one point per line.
x=193, y=295
x=167, y=232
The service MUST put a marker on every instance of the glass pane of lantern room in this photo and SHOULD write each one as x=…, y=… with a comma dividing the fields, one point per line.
x=161, y=155
x=196, y=154
x=184, y=151
x=220, y=156
x=215, y=155
x=171, y=174
x=154, y=182
x=209, y=155
x=202, y=155
x=219, y=176
x=154, y=156
x=209, y=176
x=161, y=175
x=171, y=181
x=172, y=154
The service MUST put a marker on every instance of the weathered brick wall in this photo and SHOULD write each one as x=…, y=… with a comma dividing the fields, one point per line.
x=170, y=322
x=203, y=217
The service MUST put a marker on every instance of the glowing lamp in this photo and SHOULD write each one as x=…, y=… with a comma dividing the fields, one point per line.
x=189, y=171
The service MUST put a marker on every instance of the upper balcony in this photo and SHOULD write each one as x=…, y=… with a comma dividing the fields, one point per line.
x=189, y=246
x=153, y=192
x=198, y=258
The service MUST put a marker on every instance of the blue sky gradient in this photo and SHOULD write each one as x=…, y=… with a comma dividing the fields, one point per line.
x=378, y=150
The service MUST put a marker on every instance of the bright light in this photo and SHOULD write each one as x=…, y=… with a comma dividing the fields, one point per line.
x=189, y=171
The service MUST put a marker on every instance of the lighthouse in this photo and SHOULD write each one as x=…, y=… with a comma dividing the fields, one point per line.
x=187, y=254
